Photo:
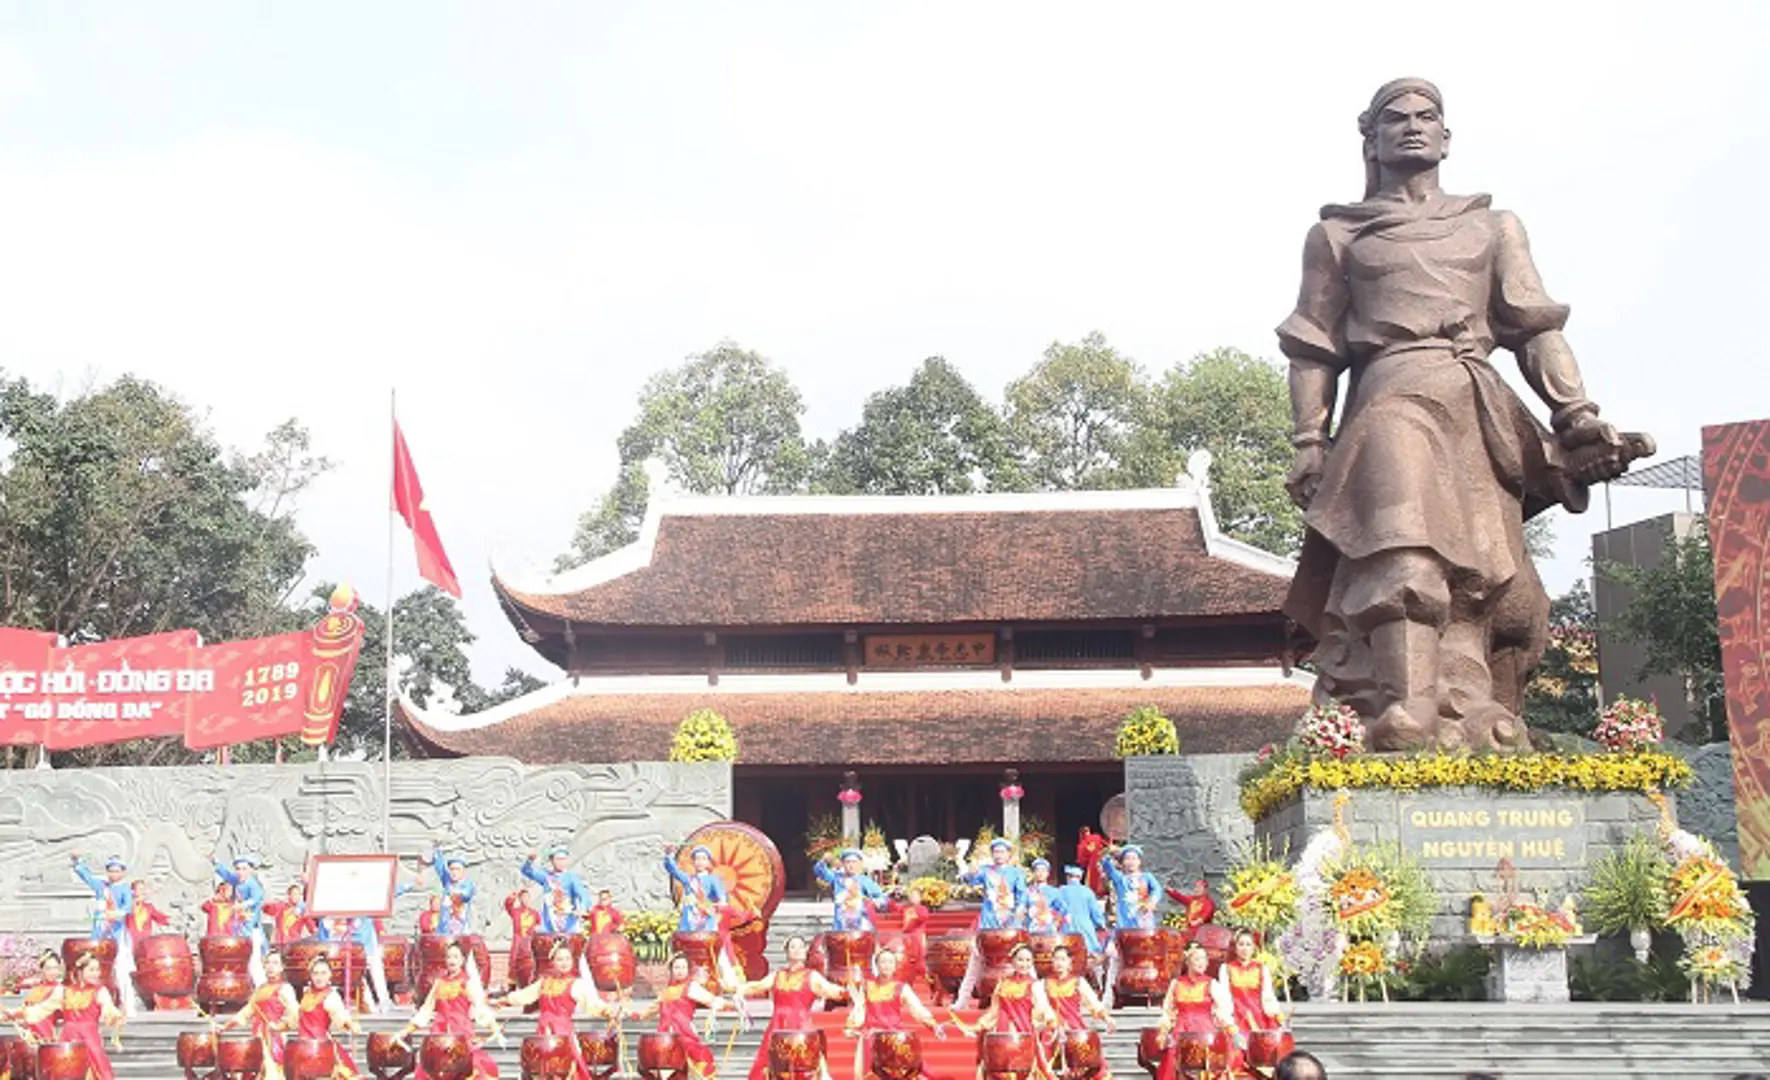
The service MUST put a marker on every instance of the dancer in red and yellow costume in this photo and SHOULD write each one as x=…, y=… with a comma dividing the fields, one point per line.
x=675, y=1008
x=143, y=916
x=456, y=1006
x=37, y=1024
x=603, y=917
x=879, y=1005
x=915, y=937
x=81, y=1008
x=1249, y=985
x=1073, y=1000
x=792, y=990
x=558, y=995
x=320, y=1011
x=1017, y=1005
x=1195, y=1002
x=270, y=1014
x=290, y=921
x=223, y=912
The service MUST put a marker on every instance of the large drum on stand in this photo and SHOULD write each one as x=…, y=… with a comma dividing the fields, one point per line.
x=896, y=1055
x=348, y=959
x=701, y=947
x=1150, y=1051
x=1009, y=1055
x=22, y=1058
x=662, y=1057
x=165, y=968
x=541, y=948
x=389, y=1058
x=72, y=949
x=1078, y=1055
x=309, y=1059
x=547, y=1057
x=795, y=1055
x=1217, y=942
x=1200, y=1053
x=239, y=1057
x=611, y=962
x=750, y=865
x=1043, y=945
x=1267, y=1048
x=433, y=959
x=396, y=964
x=446, y=1057
x=226, y=984
x=602, y=1052
x=848, y=955
x=1143, y=966
x=997, y=947
x=948, y=958
x=63, y=1061
x=196, y=1054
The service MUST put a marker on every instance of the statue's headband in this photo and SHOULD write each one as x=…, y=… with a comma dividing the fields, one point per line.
x=1391, y=90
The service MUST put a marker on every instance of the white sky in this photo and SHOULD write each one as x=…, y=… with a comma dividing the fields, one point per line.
x=515, y=213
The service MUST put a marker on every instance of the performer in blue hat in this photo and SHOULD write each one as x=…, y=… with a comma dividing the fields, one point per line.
x=249, y=905
x=1082, y=913
x=1136, y=897
x=1004, y=896
x=1043, y=909
x=458, y=893
x=852, y=889
x=703, y=891
x=112, y=901
x=564, y=896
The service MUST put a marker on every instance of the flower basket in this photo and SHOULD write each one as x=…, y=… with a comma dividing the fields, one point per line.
x=1330, y=730
x=1629, y=726
x=703, y=735
x=1145, y=731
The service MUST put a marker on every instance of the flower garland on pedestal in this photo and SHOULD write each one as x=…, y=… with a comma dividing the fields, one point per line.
x=1706, y=908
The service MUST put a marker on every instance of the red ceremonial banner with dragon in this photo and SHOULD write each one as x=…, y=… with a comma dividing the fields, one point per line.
x=172, y=684
x=1736, y=474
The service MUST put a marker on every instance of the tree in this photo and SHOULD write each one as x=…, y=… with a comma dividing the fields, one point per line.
x=724, y=422
x=1071, y=418
x=1237, y=407
x=934, y=436
x=1539, y=537
x=1563, y=692
x=1671, y=614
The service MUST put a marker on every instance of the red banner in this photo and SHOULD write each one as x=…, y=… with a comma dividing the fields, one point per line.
x=170, y=684
x=1736, y=474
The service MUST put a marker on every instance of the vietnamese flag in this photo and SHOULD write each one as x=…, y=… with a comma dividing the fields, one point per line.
x=408, y=499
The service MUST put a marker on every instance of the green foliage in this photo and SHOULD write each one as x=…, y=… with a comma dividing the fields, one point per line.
x=1628, y=889
x=613, y=522
x=1073, y=416
x=704, y=735
x=1592, y=978
x=934, y=436
x=1237, y=407
x=1671, y=614
x=1458, y=974
x=1144, y=731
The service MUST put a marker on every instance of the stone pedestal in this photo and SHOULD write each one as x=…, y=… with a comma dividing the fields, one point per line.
x=1528, y=975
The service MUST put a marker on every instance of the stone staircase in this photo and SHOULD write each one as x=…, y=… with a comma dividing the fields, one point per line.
x=1379, y=1042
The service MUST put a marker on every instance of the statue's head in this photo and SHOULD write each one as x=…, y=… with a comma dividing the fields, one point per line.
x=1403, y=130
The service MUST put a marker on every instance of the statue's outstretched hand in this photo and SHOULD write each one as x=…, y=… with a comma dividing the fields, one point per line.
x=1305, y=476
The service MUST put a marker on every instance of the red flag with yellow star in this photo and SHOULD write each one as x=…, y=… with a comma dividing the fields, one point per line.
x=408, y=499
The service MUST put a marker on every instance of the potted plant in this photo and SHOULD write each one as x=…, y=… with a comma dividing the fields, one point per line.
x=1627, y=894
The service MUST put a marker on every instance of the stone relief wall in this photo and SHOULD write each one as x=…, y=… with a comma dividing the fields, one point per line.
x=1186, y=814
x=616, y=819
x=1706, y=807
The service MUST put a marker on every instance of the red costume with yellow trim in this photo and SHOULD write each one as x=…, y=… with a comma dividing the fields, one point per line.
x=676, y=1017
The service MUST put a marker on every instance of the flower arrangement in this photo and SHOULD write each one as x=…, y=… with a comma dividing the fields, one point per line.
x=1364, y=960
x=1707, y=909
x=18, y=961
x=1379, y=890
x=1627, y=726
x=1035, y=839
x=1704, y=898
x=1313, y=944
x=1330, y=729
x=823, y=838
x=1266, y=786
x=703, y=735
x=848, y=796
x=1533, y=927
x=935, y=892
x=1012, y=793
x=1259, y=894
x=1146, y=731
x=1716, y=964
x=650, y=933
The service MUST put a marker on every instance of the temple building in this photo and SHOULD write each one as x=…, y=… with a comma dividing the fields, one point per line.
x=925, y=644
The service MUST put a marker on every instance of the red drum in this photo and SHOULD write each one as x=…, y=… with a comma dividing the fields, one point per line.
x=702, y=949
x=1143, y=966
x=1043, y=945
x=1267, y=1048
x=225, y=953
x=601, y=1050
x=390, y=1059
x=1200, y=1051
x=223, y=991
x=23, y=1060
x=196, y=1054
x=947, y=959
x=795, y=1055
x=897, y=1055
x=7, y=1043
x=346, y=957
x=164, y=966
x=849, y=954
x=309, y=1059
x=1150, y=1050
x=662, y=1057
x=72, y=949
x=541, y=947
x=1008, y=1055
x=547, y=1057
x=1079, y=1056
x=612, y=966
x=1217, y=941
x=446, y=1057
x=433, y=959
x=64, y=1060
x=396, y=964
x=239, y=1056
x=996, y=945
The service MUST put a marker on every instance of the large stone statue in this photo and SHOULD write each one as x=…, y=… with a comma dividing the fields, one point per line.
x=1413, y=575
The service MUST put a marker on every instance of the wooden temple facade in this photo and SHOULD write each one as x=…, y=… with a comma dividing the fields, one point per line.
x=924, y=643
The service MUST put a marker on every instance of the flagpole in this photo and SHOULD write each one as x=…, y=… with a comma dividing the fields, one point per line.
x=391, y=683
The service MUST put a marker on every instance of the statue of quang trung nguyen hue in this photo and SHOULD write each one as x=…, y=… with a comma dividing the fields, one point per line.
x=1413, y=575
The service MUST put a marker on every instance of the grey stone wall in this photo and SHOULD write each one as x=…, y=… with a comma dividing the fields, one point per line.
x=1186, y=813
x=616, y=820
x=1602, y=822
x=1706, y=807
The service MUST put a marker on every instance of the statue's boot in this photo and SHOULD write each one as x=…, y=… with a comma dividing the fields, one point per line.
x=1404, y=658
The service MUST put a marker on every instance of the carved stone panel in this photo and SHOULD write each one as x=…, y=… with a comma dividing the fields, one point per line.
x=1186, y=813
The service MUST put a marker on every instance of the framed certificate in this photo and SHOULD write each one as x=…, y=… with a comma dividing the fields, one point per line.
x=346, y=886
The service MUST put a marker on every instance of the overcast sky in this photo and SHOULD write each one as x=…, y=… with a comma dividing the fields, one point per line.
x=516, y=212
